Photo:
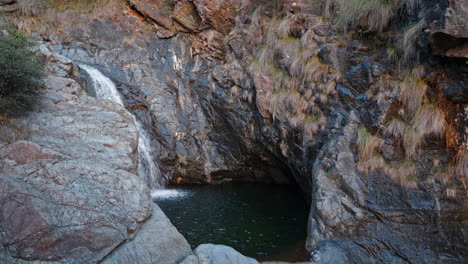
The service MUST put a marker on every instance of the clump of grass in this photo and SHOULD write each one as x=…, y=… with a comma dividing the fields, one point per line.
x=301, y=86
x=461, y=164
x=314, y=70
x=409, y=42
x=81, y=6
x=412, y=140
x=313, y=124
x=403, y=173
x=412, y=91
x=443, y=177
x=374, y=15
x=367, y=143
x=55, y=16
x=395, y=128
x=373, y=163
x=430, y=119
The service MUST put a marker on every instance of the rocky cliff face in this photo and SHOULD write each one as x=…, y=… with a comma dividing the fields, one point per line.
x=276, y=91
x=69, y=194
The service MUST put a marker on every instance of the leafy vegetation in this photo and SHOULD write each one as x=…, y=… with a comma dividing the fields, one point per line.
x=20, y=72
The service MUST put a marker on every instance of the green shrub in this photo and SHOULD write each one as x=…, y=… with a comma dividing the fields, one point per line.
x=21, y=72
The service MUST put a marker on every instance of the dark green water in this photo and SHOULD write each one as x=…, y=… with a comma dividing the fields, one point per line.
x=266, y=222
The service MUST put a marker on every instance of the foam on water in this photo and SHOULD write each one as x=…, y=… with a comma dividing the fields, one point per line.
x=168, y=194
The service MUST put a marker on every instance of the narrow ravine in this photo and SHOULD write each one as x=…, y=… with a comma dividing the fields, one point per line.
x=232, y=214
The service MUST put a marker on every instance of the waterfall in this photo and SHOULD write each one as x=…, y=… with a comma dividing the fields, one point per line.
x=147, y=168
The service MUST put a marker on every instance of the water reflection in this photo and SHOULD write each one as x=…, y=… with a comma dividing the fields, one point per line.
x=267, y=222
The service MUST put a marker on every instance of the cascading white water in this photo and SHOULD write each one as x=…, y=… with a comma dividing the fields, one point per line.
x=147, y=168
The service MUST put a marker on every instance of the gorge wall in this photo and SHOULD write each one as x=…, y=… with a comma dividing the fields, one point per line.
x=367, y=116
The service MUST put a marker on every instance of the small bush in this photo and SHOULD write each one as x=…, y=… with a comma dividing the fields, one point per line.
x=20, y=72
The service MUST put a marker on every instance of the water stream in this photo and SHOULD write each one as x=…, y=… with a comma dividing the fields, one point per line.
x=147, y=168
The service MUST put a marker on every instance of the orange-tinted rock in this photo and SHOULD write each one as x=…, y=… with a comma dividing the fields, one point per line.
x=24, y=152
x=154, y=12
x=220, y=15
x=186, y=15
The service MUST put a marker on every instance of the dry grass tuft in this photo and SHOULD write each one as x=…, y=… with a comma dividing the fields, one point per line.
x=395, y=128
x=374, y=15
x=54, y=16
x=374, y=163
x=314, y=70
x=313, y=124
x=403, y=173
x=461, y=167
x=408, y=42
x=443, y=177
x=412, y=93
x=367, y=144
x=412, y=140
x=430, y=119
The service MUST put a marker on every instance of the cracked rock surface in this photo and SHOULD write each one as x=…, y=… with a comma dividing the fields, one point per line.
x=69, y=193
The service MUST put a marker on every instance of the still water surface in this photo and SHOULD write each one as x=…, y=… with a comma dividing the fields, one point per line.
x=266, y=222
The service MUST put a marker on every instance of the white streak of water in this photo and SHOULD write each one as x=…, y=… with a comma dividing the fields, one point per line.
x=168, y=194
x=147, y=168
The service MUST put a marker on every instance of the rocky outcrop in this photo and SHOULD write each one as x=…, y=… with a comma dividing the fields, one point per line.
x=69, y=194
x=220, y=15
x=217, y=254
x=158, y=241
x=449, y=34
